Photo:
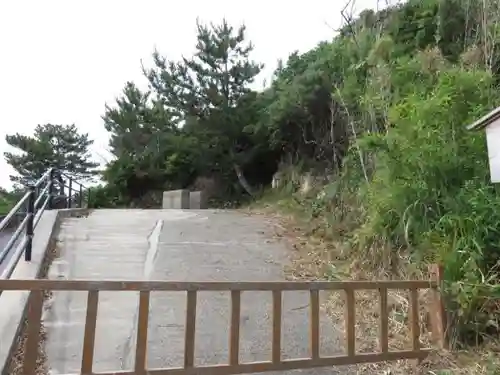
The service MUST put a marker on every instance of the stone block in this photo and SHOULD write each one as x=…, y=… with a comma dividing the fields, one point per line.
x=197, y=200
x=176, y=199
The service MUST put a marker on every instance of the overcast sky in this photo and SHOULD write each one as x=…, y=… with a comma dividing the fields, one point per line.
x=61, y=60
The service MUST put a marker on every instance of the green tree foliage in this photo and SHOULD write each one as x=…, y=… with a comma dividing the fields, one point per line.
x=59, y=146
x=151, y=153
x=199, y=120
x=134, y=123
x=7, y=201
x=210, y=94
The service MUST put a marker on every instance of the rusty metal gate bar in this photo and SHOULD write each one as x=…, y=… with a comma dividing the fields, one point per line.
x=34, y=315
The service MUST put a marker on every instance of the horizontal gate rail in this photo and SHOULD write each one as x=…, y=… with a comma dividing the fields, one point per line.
x=234, y=366
x=211, y=286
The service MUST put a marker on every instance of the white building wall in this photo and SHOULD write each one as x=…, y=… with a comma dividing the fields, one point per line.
x=493, y=141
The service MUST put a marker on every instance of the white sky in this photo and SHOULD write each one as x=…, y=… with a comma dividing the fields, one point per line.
x=61, y=60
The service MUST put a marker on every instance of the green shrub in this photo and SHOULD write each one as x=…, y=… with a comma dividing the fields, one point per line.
x=429, y=190
x=106, y=196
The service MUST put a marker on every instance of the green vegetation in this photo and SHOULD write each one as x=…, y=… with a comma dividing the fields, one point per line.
x=59, y=146
x=6, y=202
x=197, y=123
x=377, y=116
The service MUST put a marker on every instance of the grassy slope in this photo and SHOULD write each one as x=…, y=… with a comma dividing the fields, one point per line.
x=5, y=206
x=320, y=254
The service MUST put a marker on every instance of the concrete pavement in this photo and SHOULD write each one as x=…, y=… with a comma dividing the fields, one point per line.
x=5, y=237
x=192, y=246
x=108, y=244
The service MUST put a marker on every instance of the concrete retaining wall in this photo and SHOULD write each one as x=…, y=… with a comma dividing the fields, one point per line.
x=184, y=199
x=13, y=303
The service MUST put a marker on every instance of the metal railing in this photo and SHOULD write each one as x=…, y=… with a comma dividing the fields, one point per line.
x=47, y=193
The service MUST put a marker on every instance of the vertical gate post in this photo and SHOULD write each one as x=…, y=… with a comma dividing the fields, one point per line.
x=51, y=188
x=29, y=225
x=437, y=311
x=70, y=188
x=81, y=197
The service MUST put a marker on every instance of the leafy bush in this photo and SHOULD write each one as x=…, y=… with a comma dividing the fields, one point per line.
x=7, y=201
x=106, y=196
x=430, y=189
x=5, y=206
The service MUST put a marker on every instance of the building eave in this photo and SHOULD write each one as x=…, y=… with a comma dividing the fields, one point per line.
x=486, y=120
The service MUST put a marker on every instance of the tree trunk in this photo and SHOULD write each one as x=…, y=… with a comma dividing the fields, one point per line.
x=242, y=180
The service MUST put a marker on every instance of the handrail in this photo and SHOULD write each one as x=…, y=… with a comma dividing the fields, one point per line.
x=39, y=196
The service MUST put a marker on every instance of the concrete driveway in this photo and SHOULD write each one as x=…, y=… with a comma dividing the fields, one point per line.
x=228, y=246
x=192, y=245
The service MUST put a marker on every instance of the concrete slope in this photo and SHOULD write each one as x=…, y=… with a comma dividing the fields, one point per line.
x=192, y=246
x=227, y=246
x=109, y=244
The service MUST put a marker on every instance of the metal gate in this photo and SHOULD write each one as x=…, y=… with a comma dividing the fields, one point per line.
x=234, y=366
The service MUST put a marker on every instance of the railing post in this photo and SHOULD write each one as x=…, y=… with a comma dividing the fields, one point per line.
x=438, y=316
x=68, y=203
x=81, y=196
x=29, y=224
x=51, y=188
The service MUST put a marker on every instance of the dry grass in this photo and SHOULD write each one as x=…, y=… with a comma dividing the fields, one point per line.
x=315, y=257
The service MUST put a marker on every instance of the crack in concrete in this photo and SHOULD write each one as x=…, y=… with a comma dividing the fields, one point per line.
x=153, y=241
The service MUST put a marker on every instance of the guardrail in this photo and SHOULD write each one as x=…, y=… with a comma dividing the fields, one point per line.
x=47, y=193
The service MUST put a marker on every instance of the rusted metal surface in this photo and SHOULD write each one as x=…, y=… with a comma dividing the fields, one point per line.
x=234, y=366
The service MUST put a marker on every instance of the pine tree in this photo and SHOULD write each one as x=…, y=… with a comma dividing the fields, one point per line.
x=210, y=92
x=151, y=152
x=58, y=146
x=135, y=123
